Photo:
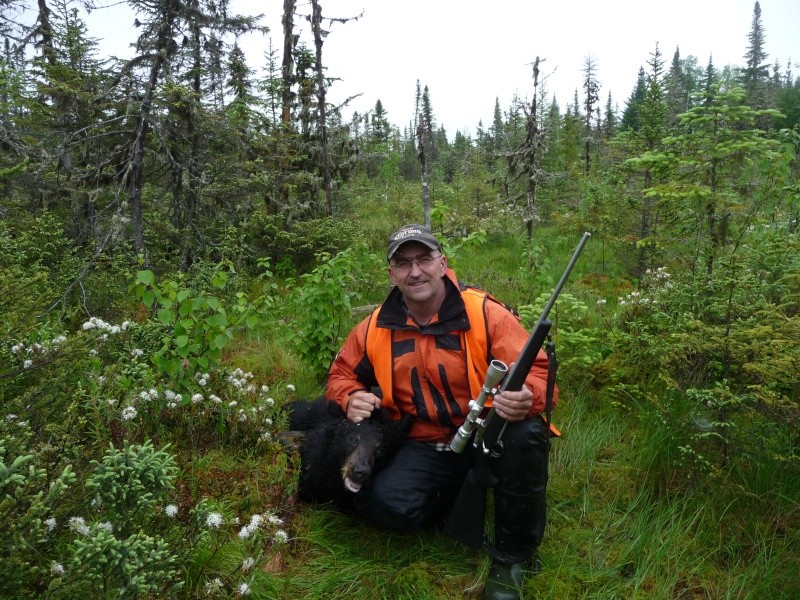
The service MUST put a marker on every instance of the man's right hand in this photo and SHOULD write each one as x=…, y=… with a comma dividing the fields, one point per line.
x=361, y=405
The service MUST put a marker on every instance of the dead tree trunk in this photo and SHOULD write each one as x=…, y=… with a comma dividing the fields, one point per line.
x=316, y=20
x=525, y=160
x=422, y=144
x=136, y=164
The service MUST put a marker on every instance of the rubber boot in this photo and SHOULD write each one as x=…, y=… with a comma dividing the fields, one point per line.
x=504, y=582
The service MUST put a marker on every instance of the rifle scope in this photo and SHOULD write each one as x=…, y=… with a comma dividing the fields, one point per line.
x=494, y=375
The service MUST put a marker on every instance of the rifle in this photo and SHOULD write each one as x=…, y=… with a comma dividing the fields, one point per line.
x=466, y=520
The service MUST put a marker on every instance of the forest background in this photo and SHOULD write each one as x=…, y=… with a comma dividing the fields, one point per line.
x=183, y=247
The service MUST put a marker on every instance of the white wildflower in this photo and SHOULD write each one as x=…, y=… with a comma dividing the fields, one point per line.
x=274, y=519
x=153, y=394
x=27, y=364
x=128, y=413
x=232, y=403
x=11, y=418
x=264, y=389
x=57, y=569
x=213, y=587
x=245, y=532
x=601, y=302
x=266, y=436
x=106, y=525
x=214, y=520
x=242, y=416
x=281, y=537
x=248, y=564
x=244, y=589
x=215, y=398
x=197, y=398
x=111, y=401
x=92, y=352
x=172, y=404
x=171, y=510
x=270, y=401
x=178, y=398
x=137, y=353
x=290, y=387
x=268, y=421
x=78, y=525
x=169, y=394
x=50, y=523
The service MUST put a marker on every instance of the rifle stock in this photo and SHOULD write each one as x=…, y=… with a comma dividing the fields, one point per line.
x=471, y=503
x=466, y=520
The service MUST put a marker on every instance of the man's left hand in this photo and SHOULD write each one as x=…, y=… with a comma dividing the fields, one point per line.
x=513, y=406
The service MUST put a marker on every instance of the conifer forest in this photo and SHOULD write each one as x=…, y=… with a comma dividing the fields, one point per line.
x=186, y=240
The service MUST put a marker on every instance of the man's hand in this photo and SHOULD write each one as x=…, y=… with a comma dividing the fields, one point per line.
x=361, y=405
x=512, y=406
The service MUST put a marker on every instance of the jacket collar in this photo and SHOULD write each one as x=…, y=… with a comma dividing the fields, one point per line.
x=452, y=316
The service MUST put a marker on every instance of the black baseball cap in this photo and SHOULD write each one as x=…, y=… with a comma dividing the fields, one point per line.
x=412, y=233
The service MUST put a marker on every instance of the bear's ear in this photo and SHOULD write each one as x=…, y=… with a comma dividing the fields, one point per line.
x=335, y=410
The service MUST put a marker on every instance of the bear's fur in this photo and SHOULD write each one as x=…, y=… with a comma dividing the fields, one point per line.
x=337, y=456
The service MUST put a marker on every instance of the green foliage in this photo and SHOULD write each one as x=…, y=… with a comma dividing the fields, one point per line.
x=729, y=344
x=35, y=487
x=125, y=568
x=130, y=480
x=198, y=325
x=579, y=345
x=297, y=244
x=323, y=302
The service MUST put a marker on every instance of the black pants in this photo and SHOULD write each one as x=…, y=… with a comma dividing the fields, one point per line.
x=421, y=483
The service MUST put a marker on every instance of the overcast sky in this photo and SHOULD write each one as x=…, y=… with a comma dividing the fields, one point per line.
x=469, y=52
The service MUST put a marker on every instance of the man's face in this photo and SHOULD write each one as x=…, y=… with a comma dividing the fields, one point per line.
x=417, y=271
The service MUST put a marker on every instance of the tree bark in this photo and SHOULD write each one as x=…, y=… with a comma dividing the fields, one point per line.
x=136, y=162
x=287, y=67
x=423, y=161
x=316, y=20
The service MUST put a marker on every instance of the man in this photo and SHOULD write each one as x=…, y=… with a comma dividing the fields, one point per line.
x=424, y=352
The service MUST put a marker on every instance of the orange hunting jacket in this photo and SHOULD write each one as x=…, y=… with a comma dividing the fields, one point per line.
x=432, y=372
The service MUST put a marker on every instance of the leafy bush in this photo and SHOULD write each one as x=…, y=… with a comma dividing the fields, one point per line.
x=198, y=325
x=323, y=302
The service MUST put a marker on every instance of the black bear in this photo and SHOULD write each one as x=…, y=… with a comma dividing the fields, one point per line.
x=337, y=456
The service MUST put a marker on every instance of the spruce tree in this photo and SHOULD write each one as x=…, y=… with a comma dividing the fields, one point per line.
x=755, y=75
x=609, y=124
x=630, y=116
x=591, y=89
x=676, y=89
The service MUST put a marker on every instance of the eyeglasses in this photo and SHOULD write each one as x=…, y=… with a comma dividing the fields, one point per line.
x=424, y=263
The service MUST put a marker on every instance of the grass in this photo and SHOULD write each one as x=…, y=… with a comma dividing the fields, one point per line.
x=338, y=556
x=610, y=536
